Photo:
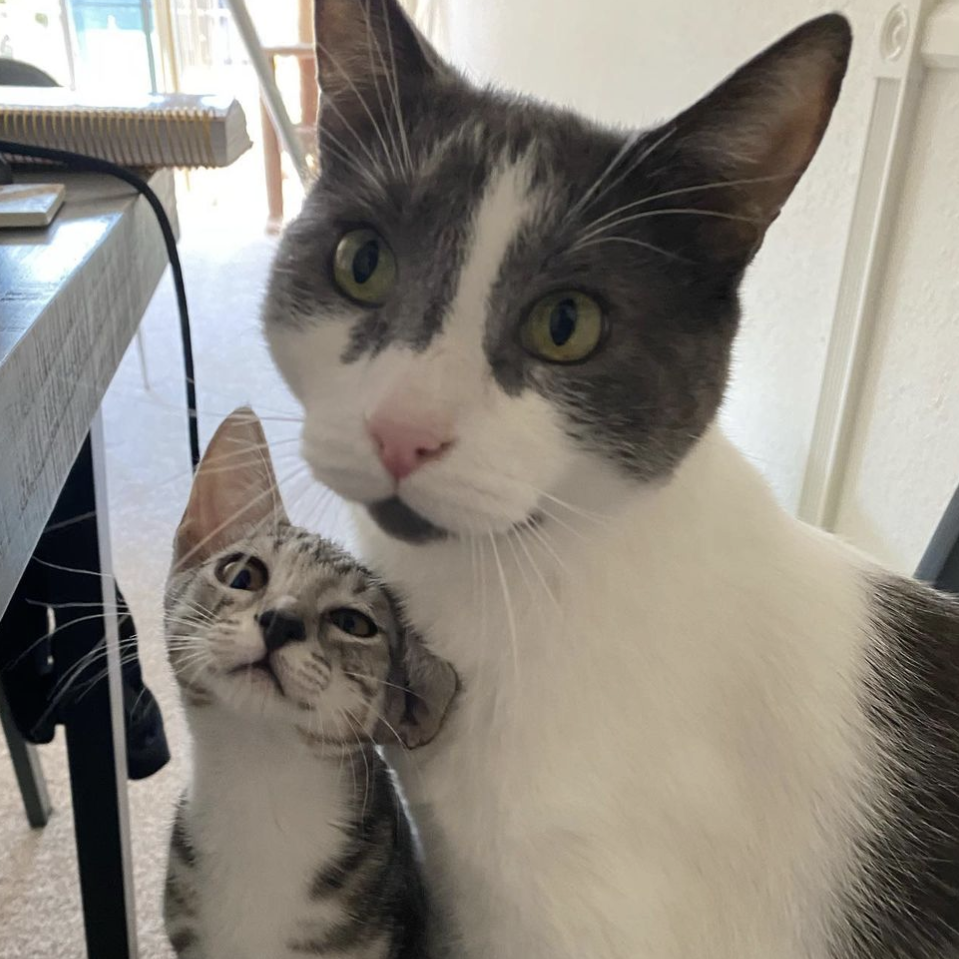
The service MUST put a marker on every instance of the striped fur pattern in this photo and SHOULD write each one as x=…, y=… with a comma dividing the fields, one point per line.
x=290, y=839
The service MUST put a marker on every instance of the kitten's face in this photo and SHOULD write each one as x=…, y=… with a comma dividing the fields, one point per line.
x=285, y=626
x=488, y=305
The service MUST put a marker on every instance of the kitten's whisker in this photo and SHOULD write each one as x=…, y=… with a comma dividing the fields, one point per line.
x=352, y=764
x=272, y=490
x=382, y=682
x=53, y=632
x=43, y=604
x=399, y=741
x=126, y=648
x=366, y=762
x=74, y=569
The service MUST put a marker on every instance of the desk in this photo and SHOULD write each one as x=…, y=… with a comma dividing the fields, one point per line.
x=71, y=298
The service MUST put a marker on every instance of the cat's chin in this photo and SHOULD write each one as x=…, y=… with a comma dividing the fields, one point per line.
x=400, y=521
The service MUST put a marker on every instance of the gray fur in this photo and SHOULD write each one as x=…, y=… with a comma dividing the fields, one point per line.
x=909, y=866
x=667, y=281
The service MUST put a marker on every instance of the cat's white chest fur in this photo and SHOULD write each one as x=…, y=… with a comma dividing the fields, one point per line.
x=658, y=761
x=263, y=817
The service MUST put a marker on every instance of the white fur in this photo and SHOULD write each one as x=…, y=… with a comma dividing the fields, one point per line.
x=658, y=751
x=263, y=810
x=451, y=379
x=670, y=761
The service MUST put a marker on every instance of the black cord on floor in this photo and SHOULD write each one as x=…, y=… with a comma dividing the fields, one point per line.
x=79, y=161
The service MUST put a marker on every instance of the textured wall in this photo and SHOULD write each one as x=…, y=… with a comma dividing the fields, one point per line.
x=905, y=460
x=634, y=61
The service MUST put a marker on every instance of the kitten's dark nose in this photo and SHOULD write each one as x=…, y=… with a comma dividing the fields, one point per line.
x=280, y=628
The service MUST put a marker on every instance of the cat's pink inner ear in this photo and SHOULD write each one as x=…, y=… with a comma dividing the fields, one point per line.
x=760, y=128
x=234, y=491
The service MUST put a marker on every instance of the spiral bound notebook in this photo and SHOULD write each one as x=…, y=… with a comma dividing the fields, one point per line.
x=148, y=130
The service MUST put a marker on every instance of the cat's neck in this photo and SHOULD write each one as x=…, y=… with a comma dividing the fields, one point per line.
x=714, y=516
x=265, y=765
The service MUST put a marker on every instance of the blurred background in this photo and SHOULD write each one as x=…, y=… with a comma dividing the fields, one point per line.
x=628, y=62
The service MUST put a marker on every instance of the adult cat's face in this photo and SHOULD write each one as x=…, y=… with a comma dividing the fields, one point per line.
x=488, y=305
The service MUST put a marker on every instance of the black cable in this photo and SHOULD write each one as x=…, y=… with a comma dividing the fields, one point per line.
x=79, y=161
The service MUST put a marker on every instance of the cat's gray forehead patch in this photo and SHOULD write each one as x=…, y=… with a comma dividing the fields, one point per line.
x=645, y=398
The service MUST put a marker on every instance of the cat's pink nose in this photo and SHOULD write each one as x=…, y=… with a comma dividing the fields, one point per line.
x=404, y=445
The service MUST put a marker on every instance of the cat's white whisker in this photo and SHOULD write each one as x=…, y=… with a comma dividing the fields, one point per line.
x=371, y=41
x=393, y=79
x=510, y=618
x=680, y=191
x=632, y=241
x=517, y=534
x=647, y=214
x=331, y=102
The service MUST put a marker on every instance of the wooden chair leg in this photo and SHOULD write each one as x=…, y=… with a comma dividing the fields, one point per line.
x=273, y=166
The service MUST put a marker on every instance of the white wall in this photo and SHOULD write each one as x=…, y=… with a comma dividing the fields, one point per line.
x=636, y=61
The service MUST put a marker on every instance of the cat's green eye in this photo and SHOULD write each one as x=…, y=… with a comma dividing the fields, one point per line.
x=364, y=267
x=352, y=622
x=563, y=327
x=241, y=571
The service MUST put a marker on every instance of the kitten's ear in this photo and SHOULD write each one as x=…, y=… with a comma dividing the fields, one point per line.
x=422, y=687
x=368, y=54
x=755, y=134
x=234, y=491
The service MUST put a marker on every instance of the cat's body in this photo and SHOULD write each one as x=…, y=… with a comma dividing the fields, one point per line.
x=682, y=754
x=264, y=821
x=690, y=727
x=290, y=839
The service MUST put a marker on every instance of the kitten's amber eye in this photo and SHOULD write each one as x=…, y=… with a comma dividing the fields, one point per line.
x=241, y=571
x=563, y=327
x=352, y=622
x=364, y=267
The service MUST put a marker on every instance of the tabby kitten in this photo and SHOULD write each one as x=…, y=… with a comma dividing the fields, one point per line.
x=290, y=839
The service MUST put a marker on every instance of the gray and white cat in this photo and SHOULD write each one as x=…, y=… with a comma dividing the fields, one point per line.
x=689, y=725
x=290, y=839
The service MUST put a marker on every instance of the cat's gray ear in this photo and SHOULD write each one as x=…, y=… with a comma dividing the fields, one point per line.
x=422, y=688
x=369, y=57
x=234, y=491
x=737, y=154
